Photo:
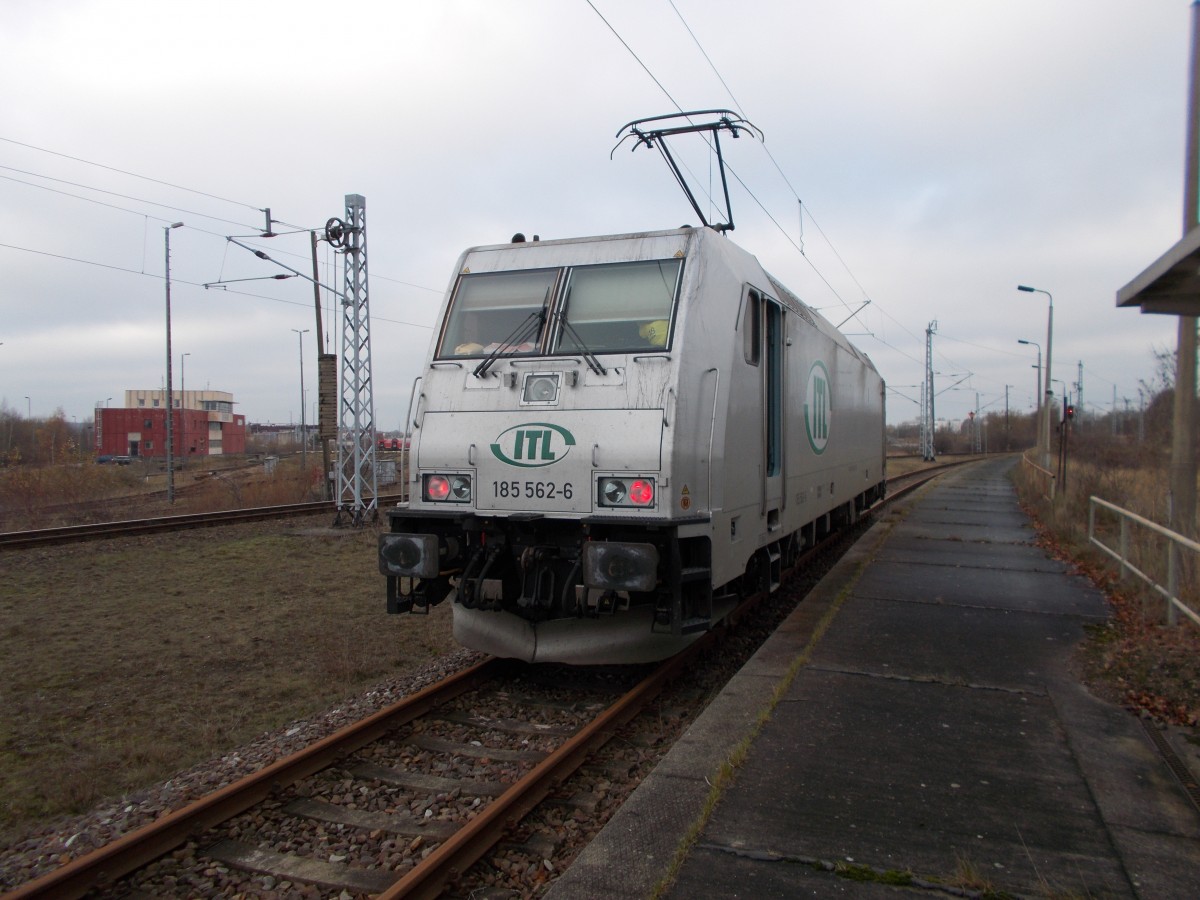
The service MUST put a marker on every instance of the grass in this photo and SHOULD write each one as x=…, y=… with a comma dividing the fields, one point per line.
x=73, y=493
x=122, y=662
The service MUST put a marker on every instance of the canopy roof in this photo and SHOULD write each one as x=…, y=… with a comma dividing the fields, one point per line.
x=1170, y=284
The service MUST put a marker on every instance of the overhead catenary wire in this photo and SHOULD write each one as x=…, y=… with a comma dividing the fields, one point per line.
x=804, y=209
x=176, y=280
x=169, y=184
x=187, y=212
x=624, y=44
x=778, y=168
x=166, y=206
x=176, y=209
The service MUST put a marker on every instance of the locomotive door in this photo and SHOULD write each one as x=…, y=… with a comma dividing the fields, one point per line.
x=764, y=346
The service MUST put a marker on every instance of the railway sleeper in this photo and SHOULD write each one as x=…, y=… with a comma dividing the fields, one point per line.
x=290, y=867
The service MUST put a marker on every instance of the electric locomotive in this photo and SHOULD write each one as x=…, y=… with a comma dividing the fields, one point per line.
x=613, y=436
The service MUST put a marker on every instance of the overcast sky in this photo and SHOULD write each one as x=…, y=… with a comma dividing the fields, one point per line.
x=944, y=152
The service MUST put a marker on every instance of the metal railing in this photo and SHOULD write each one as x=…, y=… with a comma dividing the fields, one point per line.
x=1176, y=543
x=1043, y=477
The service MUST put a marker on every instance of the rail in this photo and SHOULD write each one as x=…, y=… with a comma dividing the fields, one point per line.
x=427, y=879
x=64, y=534
x=114, y=860
x=1175, y=544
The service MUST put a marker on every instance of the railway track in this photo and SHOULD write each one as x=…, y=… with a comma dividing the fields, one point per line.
x=66, y=534
x=488, y=744
x=400, y=804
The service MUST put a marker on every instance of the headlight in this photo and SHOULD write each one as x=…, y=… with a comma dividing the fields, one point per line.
x=540, y=389
x=411, y=555
x=626, y=492
x=447, y=488
x=460, y=488
x=619, y=566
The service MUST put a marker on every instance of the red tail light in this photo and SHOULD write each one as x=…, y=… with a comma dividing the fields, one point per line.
x=437, y=487
x=641, y=492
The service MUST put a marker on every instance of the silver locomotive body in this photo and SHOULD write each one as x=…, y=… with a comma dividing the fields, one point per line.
x=614, y=435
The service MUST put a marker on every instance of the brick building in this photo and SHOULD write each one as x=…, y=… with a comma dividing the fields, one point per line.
x=203, y=422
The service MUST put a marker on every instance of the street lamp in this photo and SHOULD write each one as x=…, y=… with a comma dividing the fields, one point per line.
x=106, y=402
x=1049, y=394
x=28, y=408
x=170, y=392
x=303, y=424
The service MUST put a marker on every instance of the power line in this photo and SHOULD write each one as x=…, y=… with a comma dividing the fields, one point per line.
x=91, y=262
x=88, y=262
x=711, y=65
x=1013, y=353
x=177, y=209
x=89, y=162
x=737, y=106
x=645, y=68
x=739, y=179
x=804, y=208
x=190, y=212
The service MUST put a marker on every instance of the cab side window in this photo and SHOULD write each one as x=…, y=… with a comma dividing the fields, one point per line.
x=751, y=317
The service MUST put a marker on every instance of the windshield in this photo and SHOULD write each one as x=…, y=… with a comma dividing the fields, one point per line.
x=610, y=308
x=621, y=307
x=497, y=311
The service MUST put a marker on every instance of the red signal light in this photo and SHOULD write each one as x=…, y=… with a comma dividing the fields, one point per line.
x=437, y=487
x=641, y=492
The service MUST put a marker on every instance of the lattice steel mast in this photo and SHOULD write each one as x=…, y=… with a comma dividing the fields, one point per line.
x=357, y=493
x=927, y=418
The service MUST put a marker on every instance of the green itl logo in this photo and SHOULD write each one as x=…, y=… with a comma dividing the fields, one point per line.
x=533, y=445
x=818, y=407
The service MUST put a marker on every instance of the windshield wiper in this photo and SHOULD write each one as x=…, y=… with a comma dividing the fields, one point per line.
x=527, y=329
x=588, y=356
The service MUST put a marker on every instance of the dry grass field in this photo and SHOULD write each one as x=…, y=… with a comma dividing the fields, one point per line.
x=122, y=662
x=1136, y=659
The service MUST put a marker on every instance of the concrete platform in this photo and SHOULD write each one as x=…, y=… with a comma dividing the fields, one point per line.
x=914, y=728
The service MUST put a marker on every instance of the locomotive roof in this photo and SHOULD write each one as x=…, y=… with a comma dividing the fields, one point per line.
x=684, y=233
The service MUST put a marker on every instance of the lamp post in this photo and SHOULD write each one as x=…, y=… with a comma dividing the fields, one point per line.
x=183, y=407
x=28, y=408
x=300, y=333
x=1049, y=394
x=106, y=402
x=1037, y=388
x=170, y=393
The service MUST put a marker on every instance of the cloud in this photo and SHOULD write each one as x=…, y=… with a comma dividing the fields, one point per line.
x=943, y=151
